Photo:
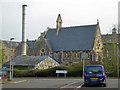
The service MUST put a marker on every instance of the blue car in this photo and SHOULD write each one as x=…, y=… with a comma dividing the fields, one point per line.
x=94, y=74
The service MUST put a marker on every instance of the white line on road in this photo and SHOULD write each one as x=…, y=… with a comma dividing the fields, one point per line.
x=68, y=84
x=80, y=86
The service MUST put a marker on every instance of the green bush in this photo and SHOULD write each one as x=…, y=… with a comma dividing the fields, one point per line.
x=111, y=71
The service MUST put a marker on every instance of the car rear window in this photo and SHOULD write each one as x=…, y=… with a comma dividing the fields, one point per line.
x=94, y=69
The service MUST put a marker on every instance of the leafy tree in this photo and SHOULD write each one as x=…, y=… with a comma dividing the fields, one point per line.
x=2, y=55
x=110, y=54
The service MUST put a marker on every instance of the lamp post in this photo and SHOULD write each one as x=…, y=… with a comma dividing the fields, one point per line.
x=118, y=60
x=83, y=58
x=83, y=67
x=10, y=55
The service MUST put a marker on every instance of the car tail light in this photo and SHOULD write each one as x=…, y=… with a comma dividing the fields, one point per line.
x=84, y=74
x=103, y=74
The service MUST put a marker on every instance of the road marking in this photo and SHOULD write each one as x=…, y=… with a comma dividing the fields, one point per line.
x=80, y=86
x=68, y=85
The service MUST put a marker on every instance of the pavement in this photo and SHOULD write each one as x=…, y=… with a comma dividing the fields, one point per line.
x=14, y=81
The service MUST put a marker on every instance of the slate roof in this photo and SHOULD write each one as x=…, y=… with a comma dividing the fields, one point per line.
x=72, y=38
x=27, y=60
x=31, y=43
x=48, y=43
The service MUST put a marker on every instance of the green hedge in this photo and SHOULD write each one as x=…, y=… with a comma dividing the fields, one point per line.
x=21, y=67
x=75, y=70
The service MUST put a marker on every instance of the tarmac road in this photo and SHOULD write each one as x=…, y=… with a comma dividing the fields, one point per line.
x=41, y=82
x=58, y=83
x=111, y=83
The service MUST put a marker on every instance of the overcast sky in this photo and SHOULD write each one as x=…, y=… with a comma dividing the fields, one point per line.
x=43, y=13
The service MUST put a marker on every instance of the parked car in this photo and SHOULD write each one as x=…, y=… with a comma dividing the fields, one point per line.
x=1, y=75
x=94, y=74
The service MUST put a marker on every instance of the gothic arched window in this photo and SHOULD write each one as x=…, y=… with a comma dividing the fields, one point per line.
x=42, y=52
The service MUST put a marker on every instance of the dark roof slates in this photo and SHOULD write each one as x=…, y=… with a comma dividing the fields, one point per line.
x=72, y=38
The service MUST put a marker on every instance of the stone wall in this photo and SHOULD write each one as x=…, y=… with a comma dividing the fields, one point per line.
x=43, y=49
x=47, y=63
x=98, y=45
x=69, y=57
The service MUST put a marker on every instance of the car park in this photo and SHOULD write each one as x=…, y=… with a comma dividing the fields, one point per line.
x=94, y=74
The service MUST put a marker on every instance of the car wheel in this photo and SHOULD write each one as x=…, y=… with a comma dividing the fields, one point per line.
x=104, y=85
x=85, y=85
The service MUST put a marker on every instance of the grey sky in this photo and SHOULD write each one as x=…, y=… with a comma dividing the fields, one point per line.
x=43, y=13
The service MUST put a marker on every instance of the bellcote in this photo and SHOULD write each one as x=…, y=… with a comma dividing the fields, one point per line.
x=58, y=23
x=97, y=21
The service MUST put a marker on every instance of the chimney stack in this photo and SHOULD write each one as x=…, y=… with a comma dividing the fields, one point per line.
x=24, y=7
